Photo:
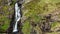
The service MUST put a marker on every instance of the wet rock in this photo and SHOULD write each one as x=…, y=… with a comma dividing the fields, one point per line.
x=20, y=1
x=33, y=24
x=9, y=2
x=48, y=16
x=33, y=31
x=45, y=27
x=1, y=12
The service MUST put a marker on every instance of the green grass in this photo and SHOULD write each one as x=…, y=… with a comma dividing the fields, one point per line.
x=5, y=16
x=6, y=23
x=54, y=24
x=37, y=7
x=26, y=28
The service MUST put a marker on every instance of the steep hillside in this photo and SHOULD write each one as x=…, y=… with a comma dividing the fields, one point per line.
x=37, y=12
x=39, y=16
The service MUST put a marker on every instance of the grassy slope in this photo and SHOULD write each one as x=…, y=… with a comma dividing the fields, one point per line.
x=36, y=7
x=33, y=9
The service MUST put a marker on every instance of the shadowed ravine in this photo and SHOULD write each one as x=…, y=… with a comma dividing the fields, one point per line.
x=16, y=21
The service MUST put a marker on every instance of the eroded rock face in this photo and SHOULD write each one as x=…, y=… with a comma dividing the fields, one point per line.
x=9, y=2
x=33, y=32
x=46, y=27
x=45, y=24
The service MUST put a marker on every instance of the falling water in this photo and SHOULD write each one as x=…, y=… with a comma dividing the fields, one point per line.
x=17, y=17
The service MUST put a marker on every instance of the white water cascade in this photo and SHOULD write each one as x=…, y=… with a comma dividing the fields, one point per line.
x=17, y=17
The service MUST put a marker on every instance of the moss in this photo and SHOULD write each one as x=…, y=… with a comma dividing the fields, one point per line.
x=5, y=16
x=26, y=27
x=54, y=24
x=6, y=23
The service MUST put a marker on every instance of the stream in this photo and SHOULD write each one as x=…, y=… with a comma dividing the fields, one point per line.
x=17, y=17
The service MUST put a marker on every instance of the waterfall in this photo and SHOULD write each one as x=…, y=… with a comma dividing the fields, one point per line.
x=17, y=17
